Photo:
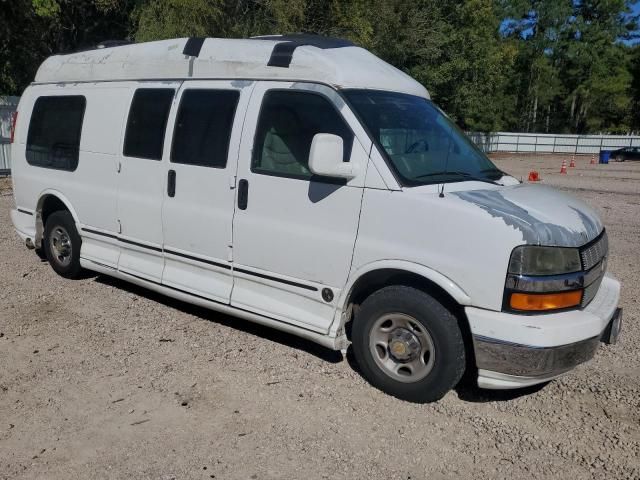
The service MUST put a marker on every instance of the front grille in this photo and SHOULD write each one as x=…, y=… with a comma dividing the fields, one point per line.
x=592, y=254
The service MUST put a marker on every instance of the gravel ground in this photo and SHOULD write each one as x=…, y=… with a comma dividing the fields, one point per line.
x=99, y=379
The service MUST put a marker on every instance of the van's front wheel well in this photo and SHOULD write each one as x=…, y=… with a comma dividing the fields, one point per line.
x=373, y=281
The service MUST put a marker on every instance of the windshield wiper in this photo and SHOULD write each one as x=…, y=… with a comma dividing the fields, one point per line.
x=465, y=175
x=492, y=170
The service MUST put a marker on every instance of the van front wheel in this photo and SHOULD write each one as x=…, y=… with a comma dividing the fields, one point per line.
x=61, y=244
x=408, y=344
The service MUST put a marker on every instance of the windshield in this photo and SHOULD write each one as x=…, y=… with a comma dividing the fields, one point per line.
x=423, y=145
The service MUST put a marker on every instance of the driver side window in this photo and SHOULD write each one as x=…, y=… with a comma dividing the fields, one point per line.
x=286, y=127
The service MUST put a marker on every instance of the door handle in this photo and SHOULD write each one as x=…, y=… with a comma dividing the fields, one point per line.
x=243, y=194
x=171, y=183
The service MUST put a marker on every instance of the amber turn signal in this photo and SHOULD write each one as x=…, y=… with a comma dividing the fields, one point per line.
x=546, y=301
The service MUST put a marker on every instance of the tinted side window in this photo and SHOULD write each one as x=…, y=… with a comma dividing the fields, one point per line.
x=203, y=127
x=147, y=123
x=286, y=127
x=53, y=140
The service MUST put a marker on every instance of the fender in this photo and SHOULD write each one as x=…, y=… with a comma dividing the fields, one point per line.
x=448, y=285
x=38, y=212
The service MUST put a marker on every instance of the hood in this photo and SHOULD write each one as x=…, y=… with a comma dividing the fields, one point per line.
x=543, y=215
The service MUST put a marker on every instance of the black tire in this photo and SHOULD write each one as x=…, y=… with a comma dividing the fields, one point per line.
x=42, y=255
x=619, y=158
x=61, y=224
x=446, y=341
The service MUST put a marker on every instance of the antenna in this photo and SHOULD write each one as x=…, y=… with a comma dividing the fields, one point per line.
x=446, y=162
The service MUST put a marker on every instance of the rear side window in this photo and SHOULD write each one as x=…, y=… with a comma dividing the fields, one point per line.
x=288, y=122
x=203, y=127
x=147, y=123
x=53, y=140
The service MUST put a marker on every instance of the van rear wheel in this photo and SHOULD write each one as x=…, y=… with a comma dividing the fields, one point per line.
x=408, y=344
x=62, y=244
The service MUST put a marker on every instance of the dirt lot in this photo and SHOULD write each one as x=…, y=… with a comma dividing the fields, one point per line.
x=99, y=379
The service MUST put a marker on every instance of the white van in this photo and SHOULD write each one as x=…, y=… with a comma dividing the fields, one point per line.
x=302, y=183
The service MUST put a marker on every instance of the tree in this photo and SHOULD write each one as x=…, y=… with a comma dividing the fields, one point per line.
x=21, y=48
x=525, y=65
x=596, y=68
x=31, y=30
x=160, y=19
x=454, y=49
x=572, y=70
x=77, y=24
x=539, y=27
x=481, y=64
x=635, y=88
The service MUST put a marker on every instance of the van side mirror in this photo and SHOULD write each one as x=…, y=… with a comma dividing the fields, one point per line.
x=325, y=157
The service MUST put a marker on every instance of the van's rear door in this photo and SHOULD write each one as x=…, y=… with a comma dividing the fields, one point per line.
x=206, y=126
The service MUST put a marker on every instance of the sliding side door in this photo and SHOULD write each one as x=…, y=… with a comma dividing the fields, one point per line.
x=198, y=206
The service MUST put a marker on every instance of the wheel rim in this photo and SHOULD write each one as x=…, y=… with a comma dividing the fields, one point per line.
x=402, y=347
x=60, y=246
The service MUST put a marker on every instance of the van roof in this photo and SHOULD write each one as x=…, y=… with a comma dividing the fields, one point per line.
x=298, y=57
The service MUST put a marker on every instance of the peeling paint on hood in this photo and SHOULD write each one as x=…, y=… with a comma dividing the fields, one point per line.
x=543, y=215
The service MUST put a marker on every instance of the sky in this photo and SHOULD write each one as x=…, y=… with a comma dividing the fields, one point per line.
x=635, y=9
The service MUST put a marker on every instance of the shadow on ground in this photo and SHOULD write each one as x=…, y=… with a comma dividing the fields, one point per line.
x=467, y=390
x=240, y=324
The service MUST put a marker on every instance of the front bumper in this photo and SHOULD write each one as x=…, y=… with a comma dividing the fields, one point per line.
x=515, y=351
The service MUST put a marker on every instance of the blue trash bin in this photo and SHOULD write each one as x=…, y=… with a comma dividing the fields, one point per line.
x=605, y=155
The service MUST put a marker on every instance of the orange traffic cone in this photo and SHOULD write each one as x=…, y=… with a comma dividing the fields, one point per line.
x=573, y=162
x=534, y=176
x=593, y=159
x=563, y=168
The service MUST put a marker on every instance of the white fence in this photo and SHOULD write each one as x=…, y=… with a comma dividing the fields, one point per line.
x=550, y=143
x=8, y=105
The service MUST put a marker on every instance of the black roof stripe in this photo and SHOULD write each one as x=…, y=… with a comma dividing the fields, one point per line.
x=193, y=46
x=283, y=51
x=282, y=54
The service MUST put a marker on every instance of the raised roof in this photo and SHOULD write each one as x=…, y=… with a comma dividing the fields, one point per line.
x=293, y=57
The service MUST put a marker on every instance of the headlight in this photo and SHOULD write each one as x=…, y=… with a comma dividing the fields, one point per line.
x=544, y=279
x=533, y=260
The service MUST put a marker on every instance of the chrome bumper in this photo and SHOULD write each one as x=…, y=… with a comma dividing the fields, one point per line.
x=540, y=362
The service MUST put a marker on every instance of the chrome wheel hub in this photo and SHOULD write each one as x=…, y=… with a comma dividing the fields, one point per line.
x=402, y=347
x=60, y=246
